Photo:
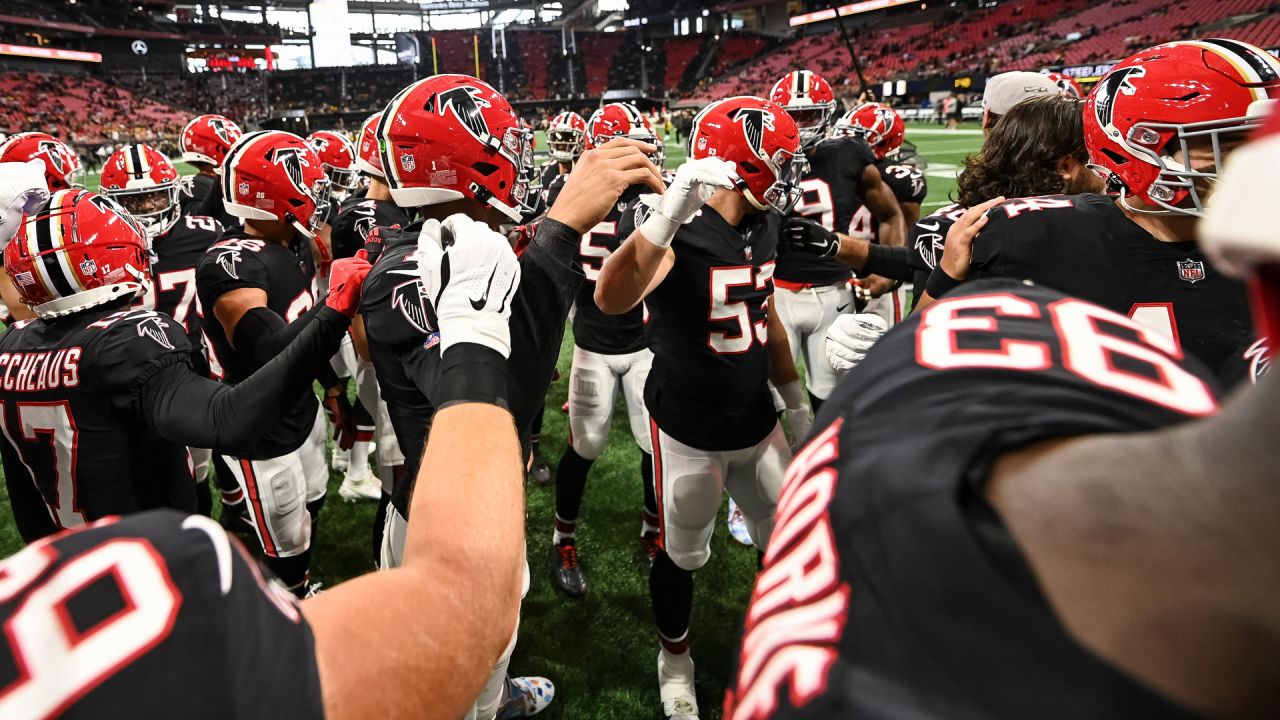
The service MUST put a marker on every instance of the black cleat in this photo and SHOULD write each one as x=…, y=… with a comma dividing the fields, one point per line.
x=566, y=571
x=539, y=470
x=235, y=519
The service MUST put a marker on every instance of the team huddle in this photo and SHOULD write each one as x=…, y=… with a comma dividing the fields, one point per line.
x=1023, y=493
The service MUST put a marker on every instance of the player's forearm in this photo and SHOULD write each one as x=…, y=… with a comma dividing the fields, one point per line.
x=191, y=410
x=893, y=229
x=626, y=276
x=884, y=260
x=782, y=368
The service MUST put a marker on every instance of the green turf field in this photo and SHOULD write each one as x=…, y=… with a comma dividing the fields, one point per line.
x=601, y=651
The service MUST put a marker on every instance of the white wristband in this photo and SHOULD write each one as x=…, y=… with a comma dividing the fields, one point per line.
x=659, y=229
x=792, y=394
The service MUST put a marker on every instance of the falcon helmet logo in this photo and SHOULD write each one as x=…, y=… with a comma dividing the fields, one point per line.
x=1191, y=270
x=219, y=127
x=107, y=205
x=318, y=143
x=754, y=121
x=363, y=226
x=466, y=104
x=55, y=151
x=291, y=159
x=1119, y=82
x=154, y=328
x=410, y=298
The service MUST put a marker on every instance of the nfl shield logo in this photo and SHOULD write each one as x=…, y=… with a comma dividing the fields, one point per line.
x=88, y=267
x=748, y=252
x=407, y=162
x=243, y=188
x=1191, y=270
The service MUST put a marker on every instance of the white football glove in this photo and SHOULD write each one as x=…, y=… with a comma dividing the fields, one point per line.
x=799, y=414
x=693, y=185
x=1235, y=232
x=850, y=337
x=471, y=275
x=22, y=190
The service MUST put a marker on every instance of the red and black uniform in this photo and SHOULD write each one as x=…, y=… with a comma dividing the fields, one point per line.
x=176, y=255
x=906, y=181
x=830, y=196
x=1084, y=245
x=893, y=588
x=161, y=613
x=707, y=328
x=286, y=275
x=356, y=219
x=926, y=240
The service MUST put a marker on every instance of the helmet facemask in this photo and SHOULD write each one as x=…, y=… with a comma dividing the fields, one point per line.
x=155, y=208
x=319, y=194
x=781, y=196
x=517, y=148
x=565, y=143
x=811, y=121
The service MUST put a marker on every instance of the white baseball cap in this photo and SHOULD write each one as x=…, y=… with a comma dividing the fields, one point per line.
x=1008, y=89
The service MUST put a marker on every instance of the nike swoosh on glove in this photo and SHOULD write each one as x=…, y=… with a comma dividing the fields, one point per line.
x=22, y=190
x=694, y=183
x=810, y=237
x=472, y=274
x=346, y=278
x=850, y=337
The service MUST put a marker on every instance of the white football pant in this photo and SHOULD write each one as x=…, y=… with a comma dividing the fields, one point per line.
x=691, y=483
x=806, y=315
x=892, y=306
x=593, y=386
x=277, y=490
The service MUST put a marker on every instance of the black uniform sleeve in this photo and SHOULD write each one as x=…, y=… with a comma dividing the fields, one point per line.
x=30, y=514
x=891, y=262
x=553, y=190
x=549, y=282
x=230, y=265
x=135, y=348
x=1011, y=246
x=907, y=183
x=398, y=313
x=191, y=410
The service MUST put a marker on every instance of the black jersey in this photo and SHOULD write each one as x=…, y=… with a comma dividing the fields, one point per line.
x=400, y=325
x=708, y=327
x=210, y=204
x=160, y=613
x=286, y=274
x=356, y=219
x=1084, y=245
x=895, y=590
x=176, y=254
x=68, y=395
x=196, y=190
x=906, y=181
x=592, y=329
x=926, y=239
x=830, y=196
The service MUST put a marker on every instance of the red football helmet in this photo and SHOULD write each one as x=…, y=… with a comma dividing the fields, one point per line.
x=142, y=179
x=62, y=167
x=207, y=138
x=880, y=125
x=77, y=251
x=368, y=160
x=762, y=140
x=1160, y=103
x=275, y=175
x=338, y=158
x=622, y=120
x=1067, y=85
x=565, y=135
x=809, y=101
x=452, y=136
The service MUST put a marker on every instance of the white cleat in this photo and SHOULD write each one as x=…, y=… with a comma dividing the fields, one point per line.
x=738, y=524
x=363, y=486
x=339, y=458
x=675, y=685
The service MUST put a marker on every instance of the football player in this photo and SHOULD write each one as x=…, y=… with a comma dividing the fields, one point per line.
x=167, y=615
x=883, y=129
x=204, y=143
x=566, y=139
x=1133, y=253
x=466, y=126
x=99, y=399
x=143, y=181
x=843, y=191
x=1067, y=85
x=609, y=354
x=702, y=261
x=62, y=170
x=257, y=281
x=1139, y=598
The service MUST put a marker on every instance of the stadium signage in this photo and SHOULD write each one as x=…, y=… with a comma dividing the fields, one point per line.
x=1087, y=72
x=50, y=53
x=850, y=9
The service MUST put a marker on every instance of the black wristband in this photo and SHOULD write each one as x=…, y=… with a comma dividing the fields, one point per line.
x=940, y=283
x=471, y=373
x=889, y=261
x=557, y=239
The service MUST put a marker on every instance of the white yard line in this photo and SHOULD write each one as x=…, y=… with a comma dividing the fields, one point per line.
x=940, y=131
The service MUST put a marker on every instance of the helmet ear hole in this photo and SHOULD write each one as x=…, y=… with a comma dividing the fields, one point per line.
x=484, y=168
x=749, y=166
x=1114, y=156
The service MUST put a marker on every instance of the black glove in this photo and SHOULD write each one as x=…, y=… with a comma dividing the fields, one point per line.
x=342, y=416
x=810, y=237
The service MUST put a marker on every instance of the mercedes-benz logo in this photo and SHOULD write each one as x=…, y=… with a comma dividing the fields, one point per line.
x=139, y=47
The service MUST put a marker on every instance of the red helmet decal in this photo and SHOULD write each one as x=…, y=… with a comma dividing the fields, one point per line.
x=465, y=103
